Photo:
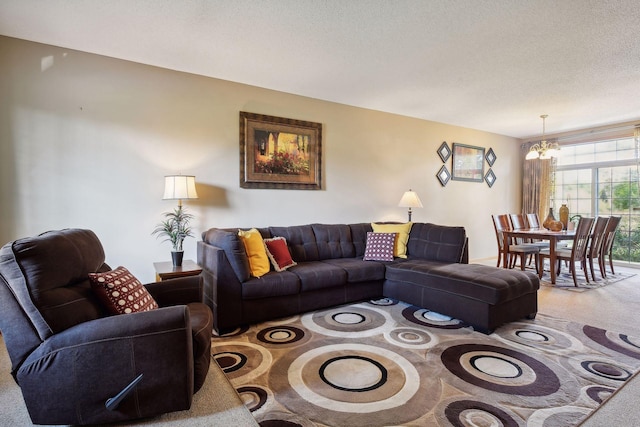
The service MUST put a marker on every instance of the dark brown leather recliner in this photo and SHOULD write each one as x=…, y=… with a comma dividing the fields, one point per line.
x=75, y=363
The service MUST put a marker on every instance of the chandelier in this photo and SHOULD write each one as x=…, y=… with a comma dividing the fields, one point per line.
x=543, y=150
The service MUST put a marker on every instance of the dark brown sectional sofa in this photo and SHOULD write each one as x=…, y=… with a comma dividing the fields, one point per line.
x=331, y=271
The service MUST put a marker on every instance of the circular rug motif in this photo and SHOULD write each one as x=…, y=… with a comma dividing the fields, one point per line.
x=411, y=338
x=253, y=397
x=432, y=319
x=339, y=380
x=281, y=335
x=529, y=380
x=352, y=321
x=619, y=343
x=242, y=362
x=527, y=335
x=599, y=370
x=475, y=412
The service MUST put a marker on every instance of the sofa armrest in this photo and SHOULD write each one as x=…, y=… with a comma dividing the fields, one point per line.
x=179, y=291
x=68, y=379
x=222, y=289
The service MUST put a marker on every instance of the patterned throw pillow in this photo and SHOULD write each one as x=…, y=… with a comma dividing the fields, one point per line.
x=279, y=254
x=121, y=292
x=379, y=246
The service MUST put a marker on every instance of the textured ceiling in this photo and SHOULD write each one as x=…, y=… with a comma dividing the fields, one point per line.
x=494, y=65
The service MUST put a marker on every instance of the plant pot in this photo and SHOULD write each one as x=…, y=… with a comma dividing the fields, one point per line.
x=176, y=257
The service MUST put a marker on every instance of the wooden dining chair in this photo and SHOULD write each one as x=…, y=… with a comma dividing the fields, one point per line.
x=501, y=223
x=576, y=255
x=533, y=221
x=594, y=250
x=607, y=244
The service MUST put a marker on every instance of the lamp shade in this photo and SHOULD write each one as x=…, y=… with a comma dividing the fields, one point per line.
x=179, y=187
x=410, y=199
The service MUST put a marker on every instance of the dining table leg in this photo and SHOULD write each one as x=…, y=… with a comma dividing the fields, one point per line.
x=552, y=259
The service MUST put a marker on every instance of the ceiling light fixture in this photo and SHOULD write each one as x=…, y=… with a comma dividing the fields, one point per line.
x=543, y=150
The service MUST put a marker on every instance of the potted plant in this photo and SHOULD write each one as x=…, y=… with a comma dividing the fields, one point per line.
x=175, y=228
x=573, y=221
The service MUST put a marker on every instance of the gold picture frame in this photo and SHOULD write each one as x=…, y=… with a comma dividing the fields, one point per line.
x=280, y=153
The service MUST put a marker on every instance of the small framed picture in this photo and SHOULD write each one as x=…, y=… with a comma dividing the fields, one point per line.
x=467, y=163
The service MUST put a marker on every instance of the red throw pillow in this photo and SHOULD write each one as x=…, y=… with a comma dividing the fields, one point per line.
x=278, y=253
x=121, y=292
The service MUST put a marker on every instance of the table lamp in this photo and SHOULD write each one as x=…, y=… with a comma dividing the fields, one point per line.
x=410, y=200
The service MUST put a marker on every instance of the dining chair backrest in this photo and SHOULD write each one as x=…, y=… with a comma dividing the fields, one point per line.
x=581, y=239
x=609, y=235
x=518, y=221
x=533, y=221
x=597, y=236
x=500, y=224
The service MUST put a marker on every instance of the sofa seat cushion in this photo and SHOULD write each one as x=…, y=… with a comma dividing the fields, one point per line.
x=272, y=284
x=359, y=270
x=479, y=282
x=318, y=275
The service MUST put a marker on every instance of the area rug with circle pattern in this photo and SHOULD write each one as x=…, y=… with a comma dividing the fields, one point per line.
x=386, y=363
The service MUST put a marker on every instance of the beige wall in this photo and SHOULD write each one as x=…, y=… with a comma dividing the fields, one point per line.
x=86, y=141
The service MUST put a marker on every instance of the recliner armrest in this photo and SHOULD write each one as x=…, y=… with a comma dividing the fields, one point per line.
x=179, y=291
x=73, y=373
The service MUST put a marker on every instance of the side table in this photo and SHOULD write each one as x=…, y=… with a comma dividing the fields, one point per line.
x=166, y=270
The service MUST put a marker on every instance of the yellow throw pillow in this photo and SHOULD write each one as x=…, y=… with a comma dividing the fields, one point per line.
x=402, y=236
x=256, y=252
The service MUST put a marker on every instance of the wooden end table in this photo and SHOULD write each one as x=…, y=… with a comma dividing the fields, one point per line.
x=166, y=270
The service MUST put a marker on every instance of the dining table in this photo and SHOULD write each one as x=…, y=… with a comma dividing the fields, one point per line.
x=538, y=234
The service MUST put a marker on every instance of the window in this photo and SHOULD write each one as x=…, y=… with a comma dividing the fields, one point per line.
x=601, y=179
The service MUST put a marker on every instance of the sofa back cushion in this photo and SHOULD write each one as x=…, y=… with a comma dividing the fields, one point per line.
x=436, y=242
x=301, y=241
x=333, y=241
x=359, y=237
x=229, y=241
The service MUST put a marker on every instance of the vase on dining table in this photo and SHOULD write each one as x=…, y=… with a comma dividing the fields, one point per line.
x=564, y=215
x=549, y=219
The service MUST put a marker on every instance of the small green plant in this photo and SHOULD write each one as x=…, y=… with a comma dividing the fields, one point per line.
x=175, y=228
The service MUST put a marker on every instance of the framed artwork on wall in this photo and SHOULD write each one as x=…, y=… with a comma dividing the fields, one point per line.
x=467, y=163
x=280, y=153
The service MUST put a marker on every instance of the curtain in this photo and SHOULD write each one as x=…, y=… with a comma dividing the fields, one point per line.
x=537, y=184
